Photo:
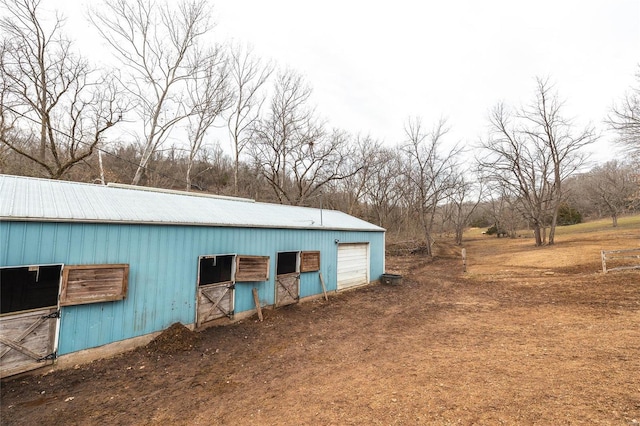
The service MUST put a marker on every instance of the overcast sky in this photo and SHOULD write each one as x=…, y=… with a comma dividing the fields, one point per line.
x=372, y=64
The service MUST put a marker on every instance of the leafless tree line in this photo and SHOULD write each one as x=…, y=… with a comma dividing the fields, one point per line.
x=171, y=87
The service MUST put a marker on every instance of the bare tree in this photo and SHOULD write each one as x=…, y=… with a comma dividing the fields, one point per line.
x=298, y=173
x=55, y=108
x=247, y=77
x=294, y=153
x=465, y=196
x=383, y=190
x=209, y=96
x=504, y=210
x=430, y=172
x=518, y=170
x=290, y=124
x=556, y=135
x=612, y=187
x=625, y=119
x=320, y=163
x=156, y=45
x=530, y=153
x=359, y=168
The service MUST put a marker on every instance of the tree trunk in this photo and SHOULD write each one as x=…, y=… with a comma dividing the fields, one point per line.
x=142, y=166
x=102, y=179
x=43, y=141
x=188, y=175
x=552, y=229
x=459, y=232
x=614, y=218
x=537, y=233
x=138, y=175
x=236, y=166
x=429, y=245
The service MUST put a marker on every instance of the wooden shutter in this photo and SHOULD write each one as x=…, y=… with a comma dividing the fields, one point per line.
x=252, y=268
x=93, y=283
x=309, y=261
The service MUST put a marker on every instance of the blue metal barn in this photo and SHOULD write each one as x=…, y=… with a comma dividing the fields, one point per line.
x=117, y=262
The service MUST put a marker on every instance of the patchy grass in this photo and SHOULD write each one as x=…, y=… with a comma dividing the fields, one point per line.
x=576, y=249
x=604, y=225
x=625, y=222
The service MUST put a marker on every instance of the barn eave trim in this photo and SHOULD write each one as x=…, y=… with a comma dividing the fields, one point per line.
x=199, y=224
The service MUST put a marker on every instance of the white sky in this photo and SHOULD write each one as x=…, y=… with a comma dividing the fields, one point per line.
x=372, y=64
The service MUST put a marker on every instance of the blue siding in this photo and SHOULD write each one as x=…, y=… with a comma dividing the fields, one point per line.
x=163, y=264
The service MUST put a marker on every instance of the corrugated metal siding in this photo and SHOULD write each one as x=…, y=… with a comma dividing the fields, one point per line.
x=163, y=263
x=61, y=201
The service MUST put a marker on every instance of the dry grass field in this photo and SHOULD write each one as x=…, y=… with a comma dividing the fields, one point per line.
x=527, y=336
x=577, y=249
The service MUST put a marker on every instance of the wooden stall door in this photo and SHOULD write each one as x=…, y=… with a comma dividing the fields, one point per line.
x=215, y=301
x=287, y=289
x=27, y=340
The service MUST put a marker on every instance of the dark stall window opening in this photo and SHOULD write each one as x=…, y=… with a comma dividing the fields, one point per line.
x=287, y=262
x=29, y=287
x=216, y=269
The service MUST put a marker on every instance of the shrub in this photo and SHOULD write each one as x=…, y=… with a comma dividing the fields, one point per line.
x=567, y=215
x=479, y=222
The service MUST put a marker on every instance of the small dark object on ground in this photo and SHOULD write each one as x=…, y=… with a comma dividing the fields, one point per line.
x=391, y=279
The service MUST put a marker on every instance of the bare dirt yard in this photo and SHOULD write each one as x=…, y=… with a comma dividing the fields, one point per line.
x=527, y=336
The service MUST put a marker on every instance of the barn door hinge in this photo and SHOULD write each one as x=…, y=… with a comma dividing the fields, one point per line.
x=52, y=315
x=52, y=356
x=232, y=287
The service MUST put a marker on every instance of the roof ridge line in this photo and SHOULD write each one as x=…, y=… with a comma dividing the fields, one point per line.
x=177, y=192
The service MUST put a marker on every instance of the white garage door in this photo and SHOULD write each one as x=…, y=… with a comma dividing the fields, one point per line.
x=353, y=265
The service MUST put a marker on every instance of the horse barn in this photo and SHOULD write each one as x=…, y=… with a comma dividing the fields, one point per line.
x=91, y=268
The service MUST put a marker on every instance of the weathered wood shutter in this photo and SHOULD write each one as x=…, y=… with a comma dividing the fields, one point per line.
x=252, y=268
x=83, y=284
x=309, y=261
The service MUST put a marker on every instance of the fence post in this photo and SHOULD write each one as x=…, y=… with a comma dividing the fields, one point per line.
x=604, y=261
x=464, y=260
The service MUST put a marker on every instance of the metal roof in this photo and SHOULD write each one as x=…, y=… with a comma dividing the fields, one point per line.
x=33, y=199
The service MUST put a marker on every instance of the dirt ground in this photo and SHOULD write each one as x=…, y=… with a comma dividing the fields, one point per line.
x=526, y=336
